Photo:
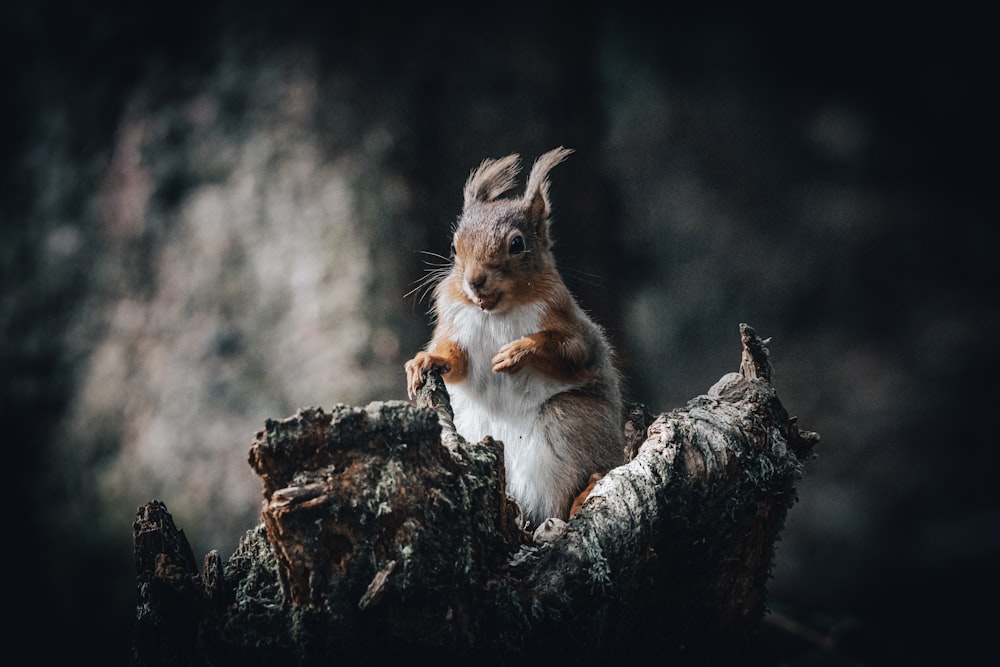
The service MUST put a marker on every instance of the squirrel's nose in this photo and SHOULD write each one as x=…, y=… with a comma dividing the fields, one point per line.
x=477, y=280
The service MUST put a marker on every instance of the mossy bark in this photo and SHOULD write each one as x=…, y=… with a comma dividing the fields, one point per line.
x=385, y=535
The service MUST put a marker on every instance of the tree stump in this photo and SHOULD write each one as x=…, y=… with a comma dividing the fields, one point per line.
x=386, y=536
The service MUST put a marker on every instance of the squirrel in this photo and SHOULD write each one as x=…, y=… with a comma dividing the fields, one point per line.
x=521, y=360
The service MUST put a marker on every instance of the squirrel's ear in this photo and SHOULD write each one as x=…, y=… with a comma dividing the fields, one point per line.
x=491, y=179
x=536, y=194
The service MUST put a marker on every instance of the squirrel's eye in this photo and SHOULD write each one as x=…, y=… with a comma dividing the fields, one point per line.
x=452, y=248
x=517, y=245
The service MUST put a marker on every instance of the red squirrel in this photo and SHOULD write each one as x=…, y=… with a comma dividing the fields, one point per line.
x=521, y=360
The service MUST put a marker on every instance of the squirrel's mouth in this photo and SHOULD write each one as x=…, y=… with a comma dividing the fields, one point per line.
x=488, y=301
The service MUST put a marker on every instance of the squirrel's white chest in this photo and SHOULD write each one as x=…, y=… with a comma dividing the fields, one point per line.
x=507, y=406
x=497, y=396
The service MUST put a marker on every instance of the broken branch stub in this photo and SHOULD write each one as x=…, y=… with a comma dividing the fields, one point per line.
x=377, y=509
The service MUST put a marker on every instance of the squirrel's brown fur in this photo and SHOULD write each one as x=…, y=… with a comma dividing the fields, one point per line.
x=522, y=361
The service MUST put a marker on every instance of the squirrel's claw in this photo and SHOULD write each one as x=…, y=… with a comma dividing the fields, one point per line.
x=510, y=357
x=414, y=377
x=416, y=371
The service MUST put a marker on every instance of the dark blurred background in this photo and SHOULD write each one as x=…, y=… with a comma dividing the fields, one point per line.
x=211, y=212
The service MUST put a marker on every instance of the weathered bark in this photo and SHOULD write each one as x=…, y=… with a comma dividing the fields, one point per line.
x=377, y=542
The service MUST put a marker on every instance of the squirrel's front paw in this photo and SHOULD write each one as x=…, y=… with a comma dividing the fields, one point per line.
x=512, y=356
x=417, y=367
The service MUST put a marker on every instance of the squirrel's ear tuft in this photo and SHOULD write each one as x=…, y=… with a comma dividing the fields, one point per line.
x=491, y=179
x=536, y=194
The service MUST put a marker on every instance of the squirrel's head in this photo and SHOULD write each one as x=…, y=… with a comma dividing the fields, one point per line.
x=501, y=250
